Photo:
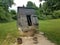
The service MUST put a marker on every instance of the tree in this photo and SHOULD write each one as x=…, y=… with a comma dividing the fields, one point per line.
x=53, y=4
x=56, y=14
x=49, y=6
x=6, y=4
x=29, y=4
x=5, y=15
x=13, y=14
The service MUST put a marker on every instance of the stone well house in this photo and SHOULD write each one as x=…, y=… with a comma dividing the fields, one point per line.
x=26, y=18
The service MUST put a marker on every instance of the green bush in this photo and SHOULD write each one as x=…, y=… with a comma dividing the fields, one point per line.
x=49, y=17
x=4, y=16
x=42, y=17
x=13, y=14
x=56, y=14
x=45, y=17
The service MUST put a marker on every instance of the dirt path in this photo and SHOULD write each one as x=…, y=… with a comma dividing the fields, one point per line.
x=41, y=40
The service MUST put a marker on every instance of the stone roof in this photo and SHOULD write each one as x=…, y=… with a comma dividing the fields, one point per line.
x=26, y=11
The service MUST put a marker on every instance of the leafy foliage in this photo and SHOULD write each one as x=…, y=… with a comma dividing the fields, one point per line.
x=50, y=8
x=56, y=14
x=5, y=15
x=13, y=14
x=31, y=5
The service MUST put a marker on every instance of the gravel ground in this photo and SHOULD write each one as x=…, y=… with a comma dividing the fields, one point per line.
x=41, y=40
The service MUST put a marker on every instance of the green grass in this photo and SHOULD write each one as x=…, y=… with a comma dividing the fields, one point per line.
x=51, y=29
x=6, y=29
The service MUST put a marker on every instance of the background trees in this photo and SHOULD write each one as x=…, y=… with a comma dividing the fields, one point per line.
x=13, y=14
x=50, y=9
x=5, y=15
x=31, y=5
x=47, y=10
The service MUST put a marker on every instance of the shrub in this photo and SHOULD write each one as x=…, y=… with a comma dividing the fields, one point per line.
x=4, y=16
x=13, y=14
x=56, y=14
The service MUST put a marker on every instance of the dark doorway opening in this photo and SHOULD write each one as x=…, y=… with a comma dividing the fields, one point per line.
x=29, y=20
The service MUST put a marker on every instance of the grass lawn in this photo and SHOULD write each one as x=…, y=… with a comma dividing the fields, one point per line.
x=51, y=29
x=8, y=29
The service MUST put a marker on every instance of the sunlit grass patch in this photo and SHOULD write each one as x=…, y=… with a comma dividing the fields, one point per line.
x=51, y=29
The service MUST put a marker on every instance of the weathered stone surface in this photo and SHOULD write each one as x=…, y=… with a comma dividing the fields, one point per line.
x=25, y=17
